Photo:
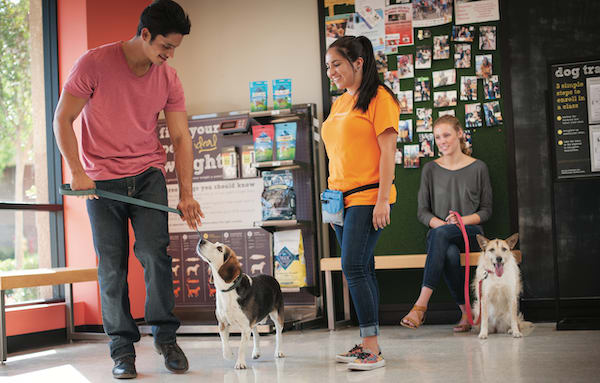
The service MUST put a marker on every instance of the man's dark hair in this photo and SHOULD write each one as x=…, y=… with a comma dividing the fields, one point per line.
x=163, y=17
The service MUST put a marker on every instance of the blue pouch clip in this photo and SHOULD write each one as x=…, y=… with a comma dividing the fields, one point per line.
x=332, y=207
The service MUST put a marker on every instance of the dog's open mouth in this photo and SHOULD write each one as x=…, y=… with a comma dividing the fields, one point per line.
x=499, y=269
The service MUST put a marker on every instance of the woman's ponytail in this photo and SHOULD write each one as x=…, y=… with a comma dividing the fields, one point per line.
x=352, y=48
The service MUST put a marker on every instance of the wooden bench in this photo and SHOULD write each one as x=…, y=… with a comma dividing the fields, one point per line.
x=382, y=262
x=46, y=277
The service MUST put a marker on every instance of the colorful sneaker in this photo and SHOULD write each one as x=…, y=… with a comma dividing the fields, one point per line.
x=367, y=361
x=349, y=356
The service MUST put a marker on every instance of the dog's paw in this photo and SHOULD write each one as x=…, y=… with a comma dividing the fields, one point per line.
x=483, y=335
x=240, y=365
x=516, y=334
x=279, y=355
x=255, y=355
x=228, y=355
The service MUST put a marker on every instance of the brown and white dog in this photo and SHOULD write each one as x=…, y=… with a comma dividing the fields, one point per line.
x=242, y=300
x=499, y=279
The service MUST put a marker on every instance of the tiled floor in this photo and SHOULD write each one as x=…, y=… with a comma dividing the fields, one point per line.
x=429, y=354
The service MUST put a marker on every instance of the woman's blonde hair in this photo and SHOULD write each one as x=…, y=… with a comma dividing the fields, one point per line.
x=453, y=121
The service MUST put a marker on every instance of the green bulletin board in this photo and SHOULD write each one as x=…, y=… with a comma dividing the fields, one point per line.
x=406, y=235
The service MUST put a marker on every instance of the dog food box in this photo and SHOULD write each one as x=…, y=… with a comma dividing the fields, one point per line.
x=263, y=142
x=282, y=94
x=258, y=95
x=229, y=158
x=290, y=264
x=248, y=169
x=285, y=140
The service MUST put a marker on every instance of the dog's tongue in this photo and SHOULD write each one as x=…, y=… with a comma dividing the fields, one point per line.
x=499, y=269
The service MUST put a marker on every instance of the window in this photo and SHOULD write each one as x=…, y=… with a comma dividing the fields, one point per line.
x=29, y=211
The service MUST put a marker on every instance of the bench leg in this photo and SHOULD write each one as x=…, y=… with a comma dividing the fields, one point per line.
x=330, y=301
x=3, y=348
x=69, y=311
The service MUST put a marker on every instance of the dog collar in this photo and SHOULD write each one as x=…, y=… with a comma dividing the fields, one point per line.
x=236, y=283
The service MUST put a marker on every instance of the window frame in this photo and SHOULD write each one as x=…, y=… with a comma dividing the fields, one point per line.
x=54, y=161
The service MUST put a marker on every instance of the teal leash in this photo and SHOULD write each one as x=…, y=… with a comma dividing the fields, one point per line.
x=65, y=189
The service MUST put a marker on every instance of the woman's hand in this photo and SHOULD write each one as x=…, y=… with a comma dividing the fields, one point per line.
x=451, y=219
x=381, y=215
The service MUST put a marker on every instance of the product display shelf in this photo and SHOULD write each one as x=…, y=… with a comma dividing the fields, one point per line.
x=303, y=305
x=280, y=165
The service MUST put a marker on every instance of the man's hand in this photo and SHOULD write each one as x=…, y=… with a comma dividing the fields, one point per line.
x=190, y=208
x=81, y=181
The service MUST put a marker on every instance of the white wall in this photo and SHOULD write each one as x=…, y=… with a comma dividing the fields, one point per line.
x=233, y=42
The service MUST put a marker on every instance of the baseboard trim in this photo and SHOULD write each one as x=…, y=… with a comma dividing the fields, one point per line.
x=533, y=309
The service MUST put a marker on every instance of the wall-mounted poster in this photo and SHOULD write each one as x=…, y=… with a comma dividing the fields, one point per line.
x=468, y=88
x=335, y=26
x=492, y=113
x=405, y=100
x=427, y=13
x=473, y=117
x=469, y=11
x=575, y=93
x=406, y=67
x=483, y=66
x=444, y=98
x=487, y=38
x=390, y=79
x=405, y=131
x=422, y=89
x=441, y=47
x=423, y=57
x=398, y=27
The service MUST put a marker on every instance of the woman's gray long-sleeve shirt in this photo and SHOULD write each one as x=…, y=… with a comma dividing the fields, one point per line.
x=466, y=191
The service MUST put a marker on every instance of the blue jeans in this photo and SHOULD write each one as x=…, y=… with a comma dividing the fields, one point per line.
x=109, y=220
x=357, y=238
x=444, y=245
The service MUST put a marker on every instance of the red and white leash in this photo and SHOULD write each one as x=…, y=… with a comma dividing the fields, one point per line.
x=463, y=230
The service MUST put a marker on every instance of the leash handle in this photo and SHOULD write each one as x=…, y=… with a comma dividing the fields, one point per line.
x=463, y=230
x=65, y=189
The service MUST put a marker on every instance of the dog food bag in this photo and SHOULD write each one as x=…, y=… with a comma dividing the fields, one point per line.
x=282, y=93
x=248, y=170
x=229, y=159
x=290, y=264
x=278, y=197
x=263, y=142
x=258, y=95
x=285, y=140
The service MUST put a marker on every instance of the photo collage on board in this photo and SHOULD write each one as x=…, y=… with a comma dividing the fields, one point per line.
x=449, y=66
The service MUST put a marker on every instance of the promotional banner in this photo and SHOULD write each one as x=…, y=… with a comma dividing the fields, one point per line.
x=231, y=208
x=575, y=93
x=192, y=277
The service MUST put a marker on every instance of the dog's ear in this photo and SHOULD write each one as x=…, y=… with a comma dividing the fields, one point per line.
x=231, y=269
x=512, y=240
x=482, y=241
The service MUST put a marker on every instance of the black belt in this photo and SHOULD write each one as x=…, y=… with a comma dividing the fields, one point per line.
x=361, y=188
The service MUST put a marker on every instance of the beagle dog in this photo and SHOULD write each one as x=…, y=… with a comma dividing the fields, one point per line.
x=242, y=300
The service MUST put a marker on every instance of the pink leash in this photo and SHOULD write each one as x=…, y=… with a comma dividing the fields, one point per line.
x=461, y=225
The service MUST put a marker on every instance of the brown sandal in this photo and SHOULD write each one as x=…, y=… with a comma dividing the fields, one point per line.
x=411, y=323
x=462, y=327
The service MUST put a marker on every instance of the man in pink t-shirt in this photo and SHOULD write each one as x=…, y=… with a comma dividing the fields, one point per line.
x=120, y=89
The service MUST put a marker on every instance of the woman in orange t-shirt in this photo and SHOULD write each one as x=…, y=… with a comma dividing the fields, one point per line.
x=360, y=139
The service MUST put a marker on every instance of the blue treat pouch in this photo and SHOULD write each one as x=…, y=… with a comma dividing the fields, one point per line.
x=332, y=207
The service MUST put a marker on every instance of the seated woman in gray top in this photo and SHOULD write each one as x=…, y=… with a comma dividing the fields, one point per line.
x=454, y=182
